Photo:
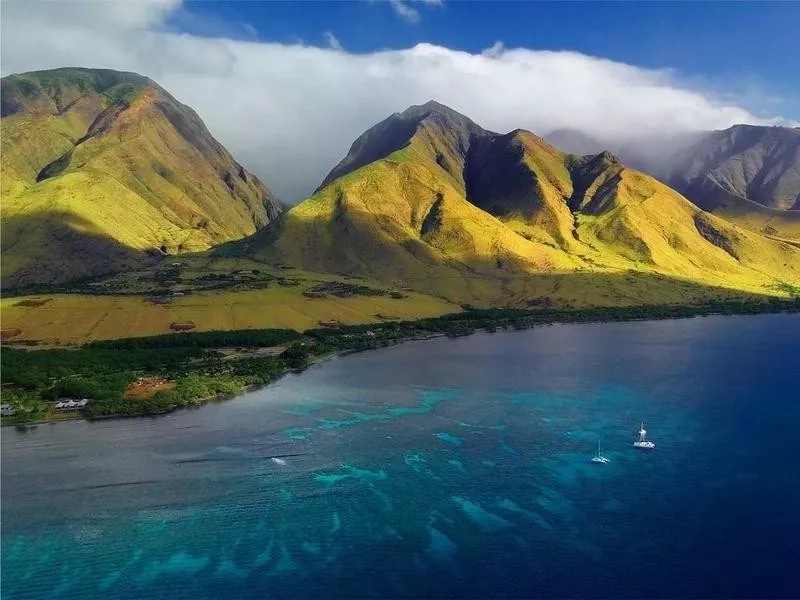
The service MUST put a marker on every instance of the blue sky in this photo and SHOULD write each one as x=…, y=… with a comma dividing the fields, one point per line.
x=746, y=49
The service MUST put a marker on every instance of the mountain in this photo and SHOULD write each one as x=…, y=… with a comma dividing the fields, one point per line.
x=749, y=174
x=430, y=200
x=103, y=170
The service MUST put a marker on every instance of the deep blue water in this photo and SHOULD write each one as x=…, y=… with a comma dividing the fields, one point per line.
x=454, y=468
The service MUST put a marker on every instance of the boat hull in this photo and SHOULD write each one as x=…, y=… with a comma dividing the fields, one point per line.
x=644, y=445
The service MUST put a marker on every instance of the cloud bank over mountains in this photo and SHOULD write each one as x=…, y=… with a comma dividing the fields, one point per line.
x=290, y=112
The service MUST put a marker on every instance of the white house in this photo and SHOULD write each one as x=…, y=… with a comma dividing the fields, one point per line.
x=71, y=403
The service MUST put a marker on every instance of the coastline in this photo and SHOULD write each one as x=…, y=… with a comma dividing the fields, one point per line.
x=356, y=339
x=197, y=403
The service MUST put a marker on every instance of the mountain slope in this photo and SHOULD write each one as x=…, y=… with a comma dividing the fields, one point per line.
x=746, y=173
x=102, y=170
x=430, y=200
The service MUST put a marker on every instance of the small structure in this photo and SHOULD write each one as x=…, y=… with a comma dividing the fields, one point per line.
x=182, y=325
x=71, y=403
x=330, y=324
x=6, y=410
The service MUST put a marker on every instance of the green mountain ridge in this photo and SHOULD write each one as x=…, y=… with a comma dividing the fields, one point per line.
x=430, y=200
x=104, y=171
x=747, y=174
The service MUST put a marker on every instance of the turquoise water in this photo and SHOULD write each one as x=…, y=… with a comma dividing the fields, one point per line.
x=445, y=468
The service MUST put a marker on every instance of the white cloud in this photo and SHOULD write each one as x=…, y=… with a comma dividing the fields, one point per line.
x=404, y=11
x=495, y=50
x=332, y=41
x=290, y=112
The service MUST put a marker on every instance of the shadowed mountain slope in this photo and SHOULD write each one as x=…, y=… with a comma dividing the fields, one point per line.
x=748, y=174
x=104, y=169
x=430, y=200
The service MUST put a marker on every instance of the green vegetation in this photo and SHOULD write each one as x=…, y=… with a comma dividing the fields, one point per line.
x=40, y=369
x=249, y=338
x=104, y=372
x=364, y=337
x=343, y=290
x=27, y=406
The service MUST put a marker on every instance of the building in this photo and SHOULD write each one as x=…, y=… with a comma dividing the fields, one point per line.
x=330, y=324
x=71, y=403
x=6, y=410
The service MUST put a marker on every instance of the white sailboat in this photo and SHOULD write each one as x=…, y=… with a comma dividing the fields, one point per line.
x=599, y=458
x=643, y=442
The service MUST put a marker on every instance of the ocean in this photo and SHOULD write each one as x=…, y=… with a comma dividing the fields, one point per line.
x=455, y=468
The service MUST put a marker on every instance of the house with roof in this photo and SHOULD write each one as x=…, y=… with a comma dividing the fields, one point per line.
x=71, y=403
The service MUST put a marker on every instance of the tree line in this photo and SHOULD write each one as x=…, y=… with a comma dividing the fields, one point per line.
x=103, y=371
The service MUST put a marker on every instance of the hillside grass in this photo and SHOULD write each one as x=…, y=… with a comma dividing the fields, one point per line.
x=406, y=221
x=777, y=224
x=70, y=319
x=119, y=164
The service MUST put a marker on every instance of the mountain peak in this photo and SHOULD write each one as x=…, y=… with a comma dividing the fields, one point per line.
x=429, y=107
x=606, y=156
x=432, y=108
x=397, y=131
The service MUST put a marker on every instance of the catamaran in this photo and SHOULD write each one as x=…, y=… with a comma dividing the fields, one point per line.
x=599, y=458
x=643, y=442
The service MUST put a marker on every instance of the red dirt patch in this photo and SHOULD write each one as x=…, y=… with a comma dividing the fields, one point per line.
x=182, y=325
x=145, y=388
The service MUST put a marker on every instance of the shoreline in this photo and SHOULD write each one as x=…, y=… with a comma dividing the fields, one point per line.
x=386, y=343
x=198, y=403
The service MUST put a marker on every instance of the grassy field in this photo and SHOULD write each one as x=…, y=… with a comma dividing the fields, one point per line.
x=254, y=295
x=68, y=319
